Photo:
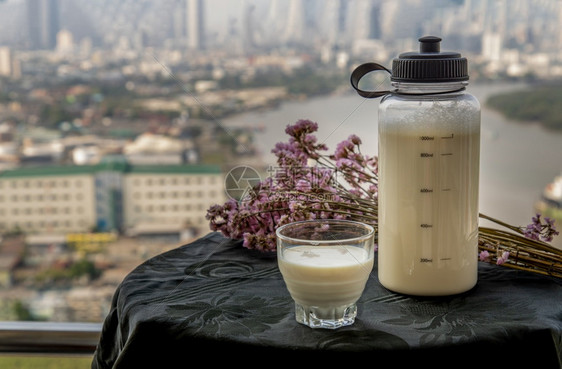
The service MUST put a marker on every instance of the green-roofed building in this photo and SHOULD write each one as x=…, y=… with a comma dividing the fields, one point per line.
x=110, y=196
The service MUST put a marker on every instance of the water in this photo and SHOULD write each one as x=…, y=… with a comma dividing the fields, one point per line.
x=517, y=159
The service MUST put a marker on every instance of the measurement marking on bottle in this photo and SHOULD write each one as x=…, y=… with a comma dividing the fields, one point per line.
x=426, y=155
x=425, y=225
x=427, y=138
x=448, y=137
x=426, y=260
x=447, y=154
x=426, y=190
x=446, y=189
x=446, y=259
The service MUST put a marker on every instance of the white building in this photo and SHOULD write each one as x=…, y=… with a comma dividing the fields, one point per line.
x=10, y=66
x=109, y=196
x=195, y=23
x=65, y=42
x=5, y=61
x=168, y=198
x=47, y=200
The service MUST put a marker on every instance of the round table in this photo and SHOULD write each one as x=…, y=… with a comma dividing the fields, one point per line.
x=215, y=301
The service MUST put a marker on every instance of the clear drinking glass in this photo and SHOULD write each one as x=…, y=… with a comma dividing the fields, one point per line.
x=325, y=264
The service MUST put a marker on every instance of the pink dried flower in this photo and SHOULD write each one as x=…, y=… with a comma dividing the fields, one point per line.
x=484, y=256
x=355, y=140
x=503, y=258
x=537, y=230
x=298, y=190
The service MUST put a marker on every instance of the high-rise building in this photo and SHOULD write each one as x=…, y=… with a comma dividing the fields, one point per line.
x=195, y=23
x=375, y=21
x=42, y=23
x=65, y=42
x=249, y=31
x=9, y=65
x=360, y=13
x=294, y=30
x=332, y=26
x=5, y=61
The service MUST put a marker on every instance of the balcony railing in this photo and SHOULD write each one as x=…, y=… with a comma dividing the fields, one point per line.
x=50, y=338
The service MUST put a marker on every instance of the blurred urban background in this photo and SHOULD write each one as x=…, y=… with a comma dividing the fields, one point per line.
x=119, y=119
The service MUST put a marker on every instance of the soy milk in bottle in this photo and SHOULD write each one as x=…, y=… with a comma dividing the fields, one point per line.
x=429, y=145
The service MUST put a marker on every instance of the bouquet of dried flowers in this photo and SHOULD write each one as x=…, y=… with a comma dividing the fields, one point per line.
x=309, y=183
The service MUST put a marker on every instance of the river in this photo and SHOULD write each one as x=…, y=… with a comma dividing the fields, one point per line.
x=516, y=161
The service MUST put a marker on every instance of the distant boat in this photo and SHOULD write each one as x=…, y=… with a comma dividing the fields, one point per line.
x=550, y=205
x=552, y=193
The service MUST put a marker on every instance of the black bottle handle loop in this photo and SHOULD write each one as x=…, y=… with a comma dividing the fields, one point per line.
x=360, y=72
x=363, y=69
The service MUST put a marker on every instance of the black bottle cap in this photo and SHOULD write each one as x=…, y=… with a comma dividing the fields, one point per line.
x=430, y=64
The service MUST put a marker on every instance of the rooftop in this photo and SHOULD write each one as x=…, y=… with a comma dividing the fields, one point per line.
x=108, y=165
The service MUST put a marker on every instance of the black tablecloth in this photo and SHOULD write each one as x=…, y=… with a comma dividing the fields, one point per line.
x=215, y=301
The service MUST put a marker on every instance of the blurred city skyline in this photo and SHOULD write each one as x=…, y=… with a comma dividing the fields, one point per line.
x=474, y=25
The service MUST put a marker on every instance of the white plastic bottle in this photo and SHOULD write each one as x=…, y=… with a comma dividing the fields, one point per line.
x=429, y=145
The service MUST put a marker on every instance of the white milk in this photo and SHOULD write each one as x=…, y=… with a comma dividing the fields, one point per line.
x=325, y=276
x=428, y=208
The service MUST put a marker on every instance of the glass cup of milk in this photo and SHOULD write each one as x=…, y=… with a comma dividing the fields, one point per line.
x=325, y=264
